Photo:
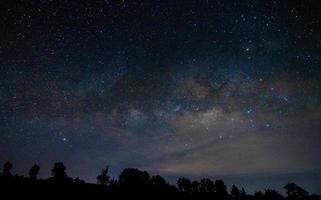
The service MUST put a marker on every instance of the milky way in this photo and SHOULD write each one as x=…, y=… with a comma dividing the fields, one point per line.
x=179, y=88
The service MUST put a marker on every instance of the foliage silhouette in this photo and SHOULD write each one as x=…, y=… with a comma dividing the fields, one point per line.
x=195, y=187
x=103, y=178
x=295, y=192
x=7, y=170
x=184, y=185
x=134, y=180
x=132, y=183
x=272, y=195
x=33, y=172
x=235, y=192
x=207, y=186
x=158, y=182
x=59, y=173
x=221, y=189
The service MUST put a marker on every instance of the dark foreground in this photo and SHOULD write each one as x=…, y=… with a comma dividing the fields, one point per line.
x=131, y=184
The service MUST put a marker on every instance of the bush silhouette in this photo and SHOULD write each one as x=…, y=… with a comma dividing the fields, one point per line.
x=7, y=170
x=134, y=179
x=103, y=178
x=59, y=173
x=33, y=172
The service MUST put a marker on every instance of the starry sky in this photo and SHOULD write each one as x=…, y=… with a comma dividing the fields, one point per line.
x=218, y=88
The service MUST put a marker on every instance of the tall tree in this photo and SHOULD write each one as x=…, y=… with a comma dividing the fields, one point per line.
x=221, y=189
x=235, y=192
x=195, y=186
x=104, y=178
x=33, y=172
x=59, y=172
x=7, y=170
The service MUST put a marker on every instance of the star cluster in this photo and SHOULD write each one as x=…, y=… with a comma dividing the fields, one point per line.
x=185, y=87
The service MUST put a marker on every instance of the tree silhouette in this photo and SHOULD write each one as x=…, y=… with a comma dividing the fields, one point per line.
x=195, y=187
x=295, y=192
x=272, y=195
x=207, y=185
x=136, y=183
x=79, y=181
x=221, y=189
x=7, y=170
x=134, y=179
x=158, y=182
x=184, y=185
x=33, y=172
x=242, y=193
x=103, y=178
x=59, y=172
x=113, y=183
x=235, y=192
x=259, y=195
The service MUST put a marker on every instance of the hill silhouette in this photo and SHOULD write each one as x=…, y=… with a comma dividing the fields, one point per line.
x=132, y=183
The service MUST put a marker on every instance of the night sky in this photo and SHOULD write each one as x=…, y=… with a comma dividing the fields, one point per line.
x=218, y=88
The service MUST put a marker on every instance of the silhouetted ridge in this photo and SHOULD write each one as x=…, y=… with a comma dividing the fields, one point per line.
x=132, y=183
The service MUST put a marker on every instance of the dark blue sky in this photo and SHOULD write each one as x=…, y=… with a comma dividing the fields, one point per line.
x=179, y=88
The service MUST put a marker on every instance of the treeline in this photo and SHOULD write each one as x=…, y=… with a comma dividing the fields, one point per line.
x=132, y=183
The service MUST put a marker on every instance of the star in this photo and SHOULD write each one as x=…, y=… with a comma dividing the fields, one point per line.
x=130, y=83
